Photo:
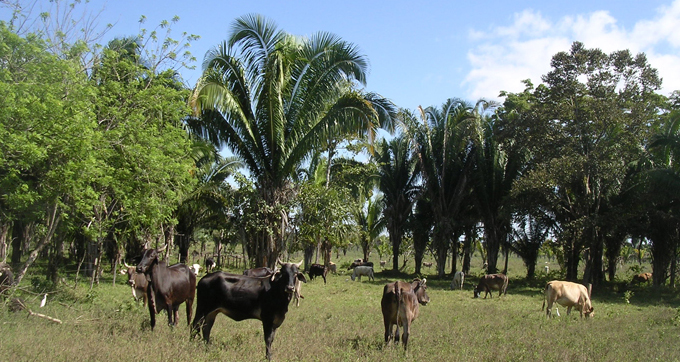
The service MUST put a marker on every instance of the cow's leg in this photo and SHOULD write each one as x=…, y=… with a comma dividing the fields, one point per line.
x=407, y=332
x=207, y=323
x=190, y=305
x=269, y=332
x=152, y=307
x=568, y=310
x=171, y=312
x=324, y=279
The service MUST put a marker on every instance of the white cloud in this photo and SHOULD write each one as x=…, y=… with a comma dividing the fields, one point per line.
x=506, y=55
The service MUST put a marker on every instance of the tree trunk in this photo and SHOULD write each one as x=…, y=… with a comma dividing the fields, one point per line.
x=51, y=223
x=4, y=230
x=396, y=244
x=492, y=246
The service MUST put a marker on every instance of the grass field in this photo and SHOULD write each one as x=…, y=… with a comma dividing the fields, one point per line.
x=341, y=321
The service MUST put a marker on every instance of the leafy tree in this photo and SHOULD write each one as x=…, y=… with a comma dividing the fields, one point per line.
x=583, y=127
x=47, y=132
x=272, y=99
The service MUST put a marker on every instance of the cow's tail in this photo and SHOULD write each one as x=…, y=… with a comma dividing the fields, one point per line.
x=397, y=294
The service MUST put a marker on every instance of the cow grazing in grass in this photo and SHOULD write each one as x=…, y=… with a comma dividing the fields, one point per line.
x=318, y=270
x=400, y=306
x=363, y=270
x=169, y=286
x=356, y=264
x=427, y=264
x=242, y=297
x=569, y=295
x=382, y=263
x=458, y=279
x=642, y=278
x=136, y=281
x=491, y=282
x=332, y=267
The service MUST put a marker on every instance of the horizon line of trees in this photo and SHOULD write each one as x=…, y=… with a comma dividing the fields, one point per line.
x=106, y=152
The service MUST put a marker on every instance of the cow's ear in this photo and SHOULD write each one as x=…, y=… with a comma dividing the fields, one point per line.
x=122, y=271
x=301, y=277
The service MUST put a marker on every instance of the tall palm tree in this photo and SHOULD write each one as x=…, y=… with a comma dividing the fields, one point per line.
x=497, y=168
x=272, y=99
x=398, y=183
x=445, y=154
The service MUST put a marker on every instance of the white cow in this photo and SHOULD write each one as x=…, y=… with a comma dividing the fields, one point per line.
x=568, y=294
x=546, y=269
x=363, y=270
x=332, y=267
x=195, y=268
x=297, y=293
x=458, y=279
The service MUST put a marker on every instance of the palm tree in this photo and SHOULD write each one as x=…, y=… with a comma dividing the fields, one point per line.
x=398, y=183
x=272, y=99
x=445, y=150
x=496, y=170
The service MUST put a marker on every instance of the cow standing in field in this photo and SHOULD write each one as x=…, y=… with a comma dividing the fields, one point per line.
x=209, y=264
x=137, y=282
x=458, y=279
x=169, y=286
x=242, y=297
x=568, y=294
x=318, y=270
x=359, y=263
x=491, y=282
x=642, y=278
x=400, y=306
x=332, y=267
x=363, y=270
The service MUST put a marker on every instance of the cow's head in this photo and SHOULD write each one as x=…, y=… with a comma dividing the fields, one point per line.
x=130, y=272
x=420, y=289
x=149, y=258
x=288, y=274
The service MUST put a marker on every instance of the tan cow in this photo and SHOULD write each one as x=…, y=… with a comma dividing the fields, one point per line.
x=458, y=279
x=400, y=307
x=568, y=294
x=491, y=282
x=642, y=278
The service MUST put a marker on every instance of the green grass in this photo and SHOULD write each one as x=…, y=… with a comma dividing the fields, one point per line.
x=341, y=321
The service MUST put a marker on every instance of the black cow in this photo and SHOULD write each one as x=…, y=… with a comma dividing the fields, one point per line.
x=209, y=264
x=318, y=270
x=242, y=297
x=356, y=264
x=258, y=272
x=169, y=286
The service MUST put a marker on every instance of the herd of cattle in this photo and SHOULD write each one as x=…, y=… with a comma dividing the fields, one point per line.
x=264, y=294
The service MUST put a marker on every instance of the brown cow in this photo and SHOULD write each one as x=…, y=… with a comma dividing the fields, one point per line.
x=642, y=278
x=491, y=282
x=568, y=294
x=400, y=306
x=137, y=281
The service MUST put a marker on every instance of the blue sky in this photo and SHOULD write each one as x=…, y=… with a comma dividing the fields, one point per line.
x=422, y=54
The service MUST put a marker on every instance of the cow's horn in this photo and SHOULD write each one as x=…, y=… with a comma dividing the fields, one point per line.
x=162, y=248
x=424, y=280
x=126, y=265
x=278, y=261
x=300, y=263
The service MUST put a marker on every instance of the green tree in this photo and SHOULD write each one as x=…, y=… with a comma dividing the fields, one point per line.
x=445, y=150
x=272, y=99
x=47, y=132
x=398, y=184
x=583, y=127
